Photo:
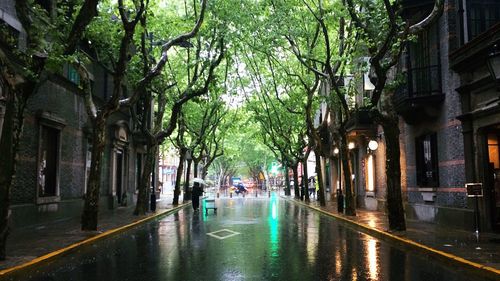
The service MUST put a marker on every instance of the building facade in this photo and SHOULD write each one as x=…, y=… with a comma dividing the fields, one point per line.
x=447, y=143
x=54, y=152
x=477, y=61
x=431, y=134
x=449, y=120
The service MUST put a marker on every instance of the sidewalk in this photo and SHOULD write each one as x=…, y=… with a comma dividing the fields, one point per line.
x=27, y=244
x=458, y=247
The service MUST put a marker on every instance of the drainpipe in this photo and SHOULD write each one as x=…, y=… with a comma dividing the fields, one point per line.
x=461, y=22
x=2, y=114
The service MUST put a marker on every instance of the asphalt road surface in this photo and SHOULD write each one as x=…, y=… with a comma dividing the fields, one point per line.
x=248, y=239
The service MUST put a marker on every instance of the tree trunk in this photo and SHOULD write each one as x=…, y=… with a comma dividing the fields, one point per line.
x=8, y=146
x=395, y=210
x=305, y=178
x=319, y=174
x=204, y=171
x=187, y=190
x=350, y=203
x=141, y=206
x=12, y=128
x=287, y=182
x=296, y=181
x=195, y=169
x=178, y=177
x=91, y=205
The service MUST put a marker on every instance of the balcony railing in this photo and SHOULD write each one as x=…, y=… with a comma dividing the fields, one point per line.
x=421, y=82
x=419, y=98
x=360, y=121
x=424, y=81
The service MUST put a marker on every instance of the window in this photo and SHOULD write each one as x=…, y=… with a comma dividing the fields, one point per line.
x=427, y=160
x=73, y=75
x=424, y=64
x=49, y=156
x=481, y=15
x=370, y=173
x=48, y=162
x=493, y=150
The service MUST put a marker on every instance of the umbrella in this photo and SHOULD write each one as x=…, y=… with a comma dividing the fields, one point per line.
x=198, y=180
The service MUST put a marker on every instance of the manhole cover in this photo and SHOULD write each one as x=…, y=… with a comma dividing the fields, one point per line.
x=223, y=234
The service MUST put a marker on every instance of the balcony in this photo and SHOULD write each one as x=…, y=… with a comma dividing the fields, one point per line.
x=420, y=99
x=360, y=122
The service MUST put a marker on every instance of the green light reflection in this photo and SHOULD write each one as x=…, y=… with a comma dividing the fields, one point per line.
x=203, y=210
x=274, y=226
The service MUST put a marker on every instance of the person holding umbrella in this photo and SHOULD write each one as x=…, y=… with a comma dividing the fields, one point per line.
x=197, y=192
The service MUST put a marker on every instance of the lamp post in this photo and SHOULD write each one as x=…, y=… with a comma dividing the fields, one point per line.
x=2, y=109
x=340, y=196
x=187, y=159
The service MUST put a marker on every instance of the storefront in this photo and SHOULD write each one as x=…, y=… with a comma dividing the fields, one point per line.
x=478, y=64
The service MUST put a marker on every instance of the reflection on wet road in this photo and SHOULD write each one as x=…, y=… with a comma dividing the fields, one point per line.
x=248, y=239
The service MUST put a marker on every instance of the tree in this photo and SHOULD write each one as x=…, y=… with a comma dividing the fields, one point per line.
x=99, y=116
x=200, y=74
x=385, y=34
x=199, y=121
x=275, y=100
x=323, y=48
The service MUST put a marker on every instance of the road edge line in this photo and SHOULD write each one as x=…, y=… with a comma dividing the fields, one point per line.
x=100, y=236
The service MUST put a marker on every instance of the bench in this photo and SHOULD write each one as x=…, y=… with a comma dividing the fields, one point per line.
x=210, y=204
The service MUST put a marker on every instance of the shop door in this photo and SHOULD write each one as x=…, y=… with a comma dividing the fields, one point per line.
x=493, y=178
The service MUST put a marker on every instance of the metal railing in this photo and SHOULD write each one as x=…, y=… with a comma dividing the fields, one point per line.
x=421, y=82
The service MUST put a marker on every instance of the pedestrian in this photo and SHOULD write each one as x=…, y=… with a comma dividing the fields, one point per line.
x=311, y=187
x=301, y=190
x=316, y=187
x=197, y=192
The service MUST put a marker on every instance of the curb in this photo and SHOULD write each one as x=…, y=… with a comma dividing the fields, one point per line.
x=68, y=249
x=477, y=268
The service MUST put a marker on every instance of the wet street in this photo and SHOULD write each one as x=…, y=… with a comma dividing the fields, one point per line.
x=248, y=239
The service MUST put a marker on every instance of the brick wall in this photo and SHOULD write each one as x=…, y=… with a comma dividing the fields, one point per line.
x=64, y=104
x=449, y=131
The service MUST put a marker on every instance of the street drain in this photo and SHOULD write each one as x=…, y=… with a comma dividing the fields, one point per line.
x=223, y=234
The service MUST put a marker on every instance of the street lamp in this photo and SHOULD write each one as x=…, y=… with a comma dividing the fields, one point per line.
x=372, y=145
x=187, y=157
x=493, y=63
x=351, y=145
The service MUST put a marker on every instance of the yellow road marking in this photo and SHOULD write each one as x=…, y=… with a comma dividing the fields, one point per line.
x=406, y=241
x=59, y=252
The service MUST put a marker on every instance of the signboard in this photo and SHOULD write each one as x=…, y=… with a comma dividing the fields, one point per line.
x=168, y=171
x=474, y=189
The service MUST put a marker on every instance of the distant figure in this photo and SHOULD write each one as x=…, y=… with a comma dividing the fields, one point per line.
x=301, y=187
x=312, y=187
x=240, y=188
x=197, y=191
